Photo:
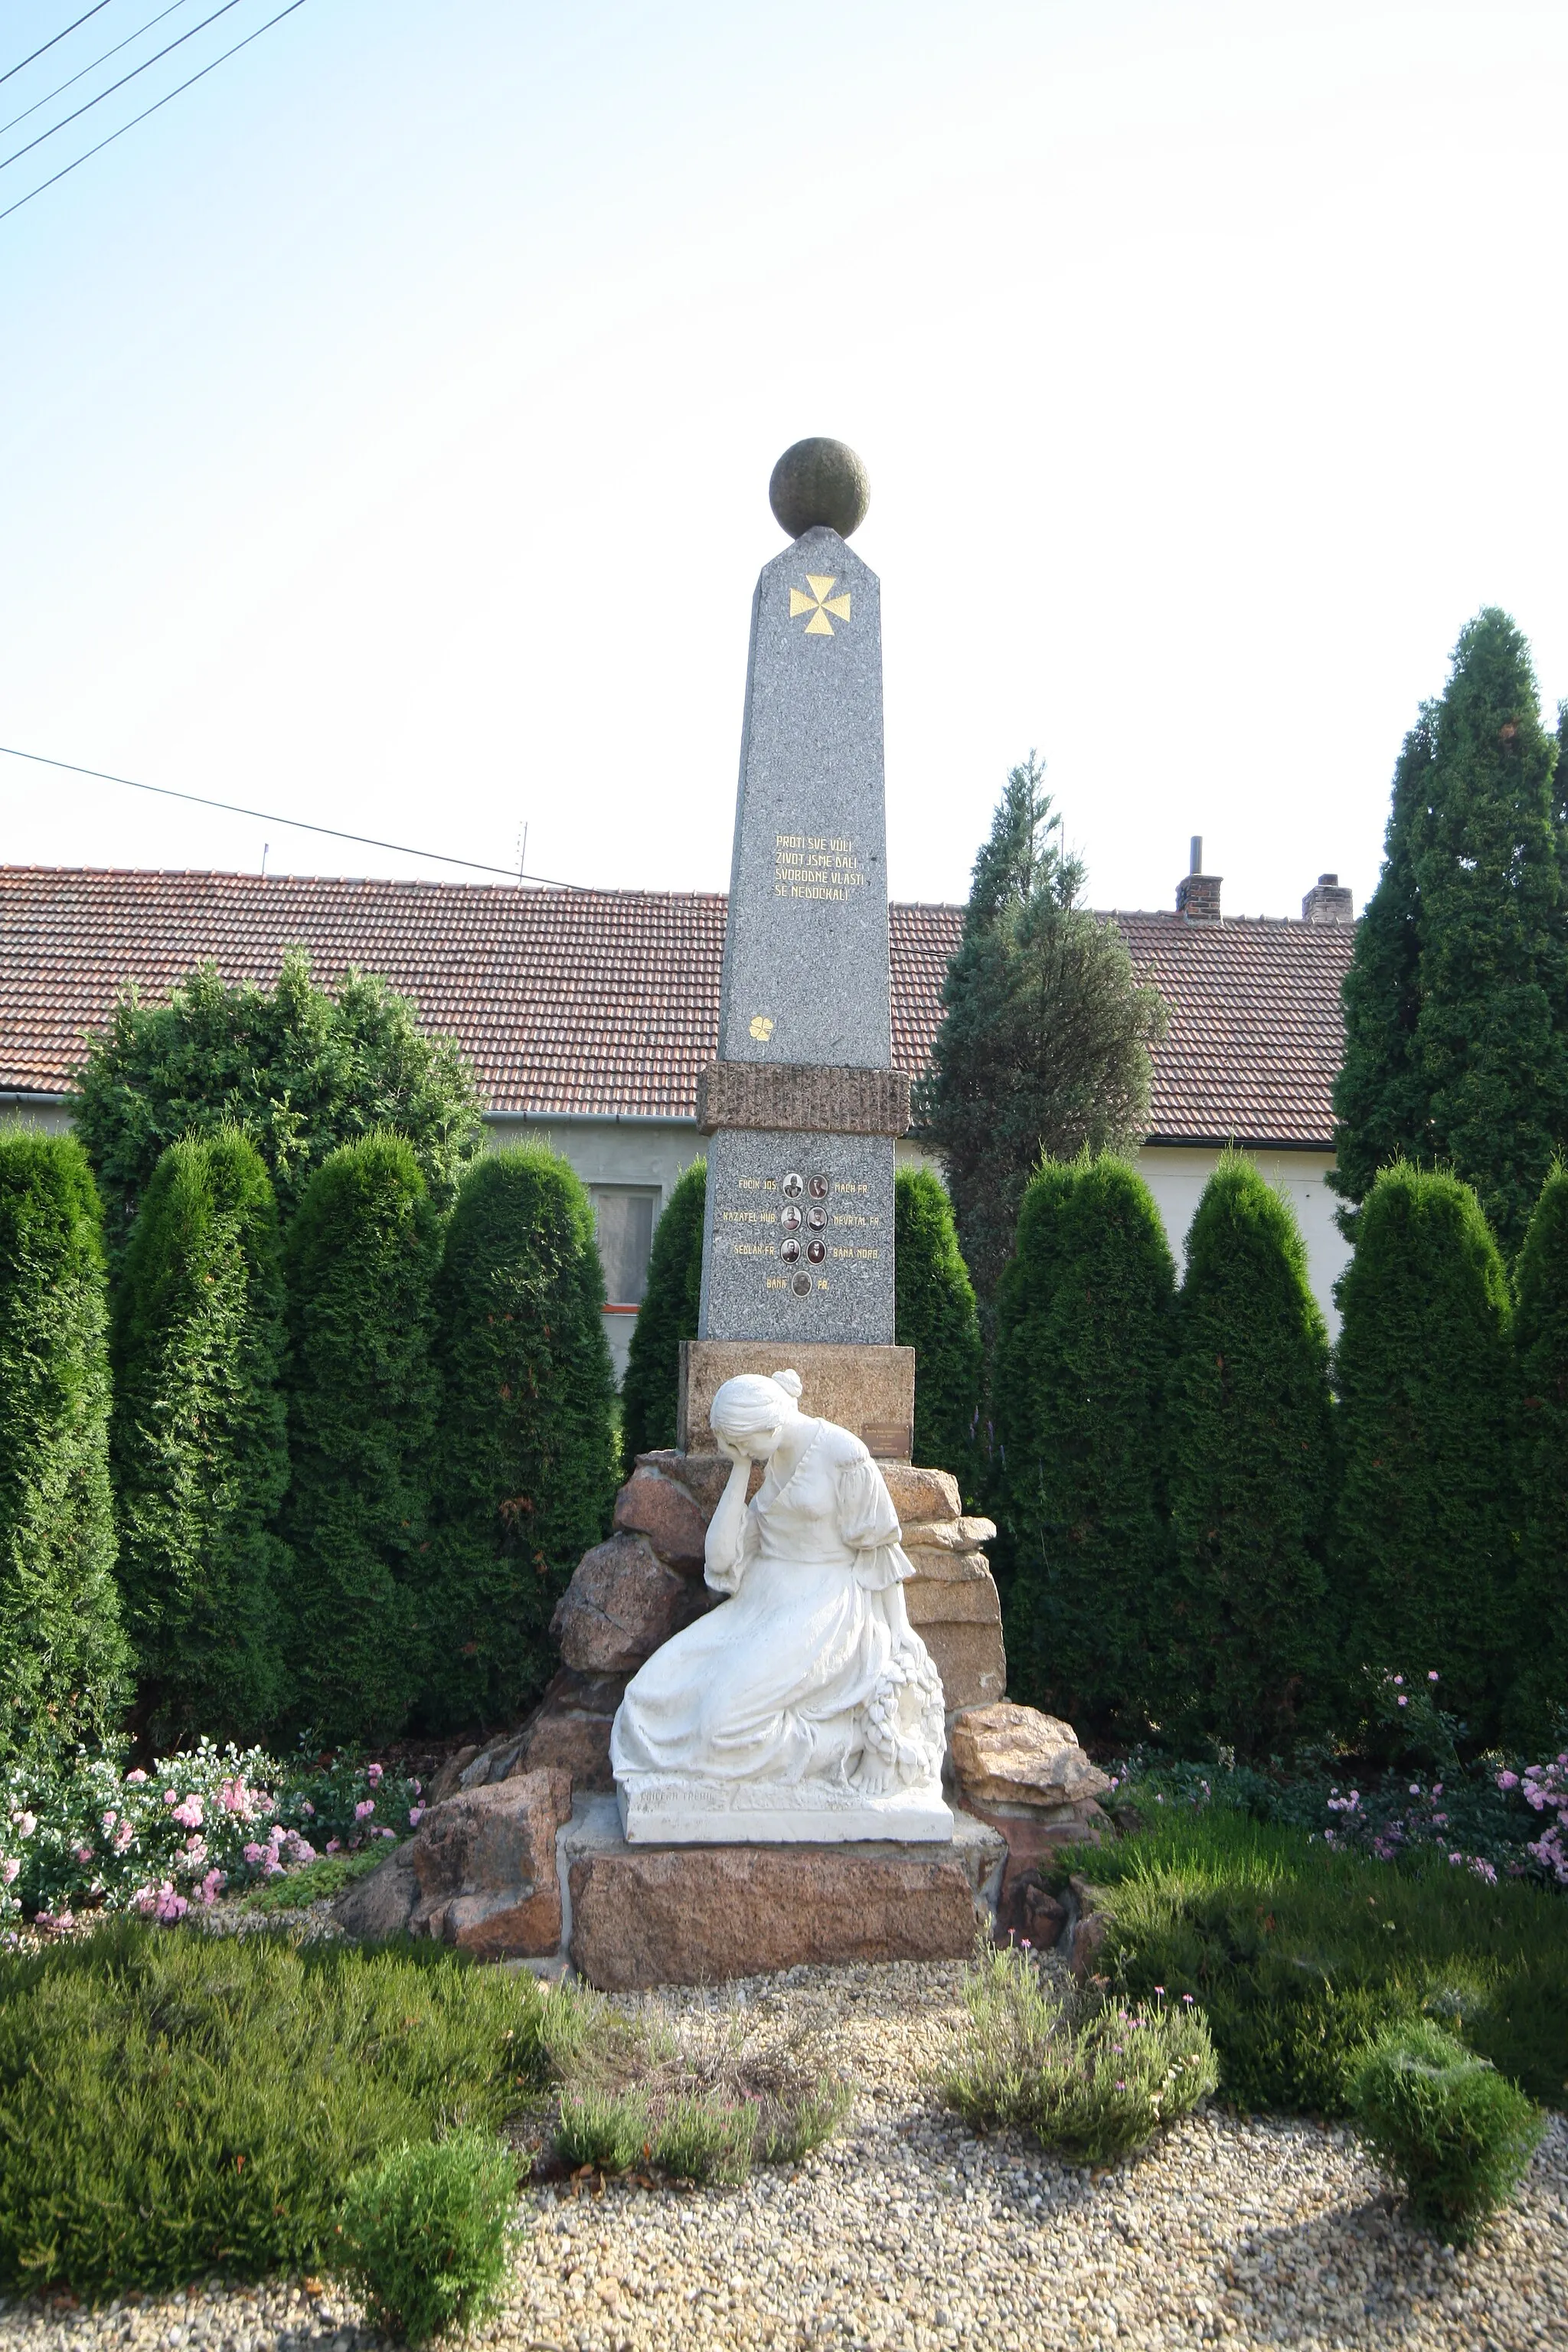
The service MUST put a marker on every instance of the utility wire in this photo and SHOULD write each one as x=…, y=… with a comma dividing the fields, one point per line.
x=297, y=825
x=11, y=70
x=61, y=88
x=5, y=162
x=66, y=169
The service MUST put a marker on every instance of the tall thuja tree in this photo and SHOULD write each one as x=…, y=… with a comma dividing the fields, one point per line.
x=1381, y=1096
x=200, y=1453
x=1084, y=1335
x=1480, y=1082
x=668, y=1315
x=300, y=1068
x=1422, y=1556
x=1246, y=1634
x=529, y=1461
x=934, y=1314
x=63, y=1656
x=1045, y=1036
x=360, y=1262
x=1539, y=1699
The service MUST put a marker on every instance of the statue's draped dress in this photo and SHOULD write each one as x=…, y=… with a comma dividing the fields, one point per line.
x=788, y=1679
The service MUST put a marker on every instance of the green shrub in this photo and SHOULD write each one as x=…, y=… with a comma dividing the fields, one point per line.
x=1422, y=1554
x=174, y=2104
x=199, y=1450
x=299, y=1070
x=1083, y=1339
x=1299, y=1956
x=360, y=1262
x=529, y=1459
x=1455, y=2135
x=649, y=1393
x=934, y=1314
x=63, y=1657
x=318, y=1881
x=1540, y=1626
x=1091, y=2077
x=424, y=2232
x=1243, y=1636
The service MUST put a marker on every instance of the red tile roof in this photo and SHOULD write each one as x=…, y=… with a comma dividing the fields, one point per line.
x=605, y=1003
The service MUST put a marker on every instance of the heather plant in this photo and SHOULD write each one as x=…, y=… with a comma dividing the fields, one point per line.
x=649, y=1393
x=1544, y=1789
x=1455, y=2134
x=300, y=1069
x=199, y=1451
x=1242, y=1623
x=934, y=1314
x=1422, y=1560
x=1084, y=1328
x=63, y=1656
x=529, y=1461
x=1090, y=2075
x=1540, y=1628
x=424, y=2230
x=360, y=1264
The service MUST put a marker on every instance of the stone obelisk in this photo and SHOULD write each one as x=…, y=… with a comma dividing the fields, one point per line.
x=803, y=1104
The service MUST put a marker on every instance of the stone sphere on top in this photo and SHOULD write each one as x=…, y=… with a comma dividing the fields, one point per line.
x=819, y=481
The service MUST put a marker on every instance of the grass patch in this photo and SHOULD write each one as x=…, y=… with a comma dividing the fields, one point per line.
x=1090, y=2076
x=1299, y=1957
x=172, y=2105
x=316, y=1882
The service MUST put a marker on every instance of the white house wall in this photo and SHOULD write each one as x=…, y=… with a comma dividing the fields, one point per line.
x=1176, y=1177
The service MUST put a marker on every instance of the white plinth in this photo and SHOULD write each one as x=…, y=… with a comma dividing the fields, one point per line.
x=657, y=1810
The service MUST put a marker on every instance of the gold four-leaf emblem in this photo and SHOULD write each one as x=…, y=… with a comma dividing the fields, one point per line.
x=819, y=604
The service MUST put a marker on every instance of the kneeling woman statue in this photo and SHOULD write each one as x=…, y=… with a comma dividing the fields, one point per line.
x=803, y=1707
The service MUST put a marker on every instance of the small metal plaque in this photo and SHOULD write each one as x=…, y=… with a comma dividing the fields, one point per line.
x=886, y=1441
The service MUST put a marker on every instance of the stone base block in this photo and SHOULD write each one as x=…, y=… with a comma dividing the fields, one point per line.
x=660, y=1808
x=697, y=1914
x=970, y=1659
x=870, y=1391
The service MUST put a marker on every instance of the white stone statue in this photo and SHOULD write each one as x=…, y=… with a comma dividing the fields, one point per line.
x=803, y=1707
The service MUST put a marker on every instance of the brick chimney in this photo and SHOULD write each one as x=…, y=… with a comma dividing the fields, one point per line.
x=1325, y=902
x=1198, y=893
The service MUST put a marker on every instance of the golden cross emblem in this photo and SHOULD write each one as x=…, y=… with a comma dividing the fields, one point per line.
x=819, y=604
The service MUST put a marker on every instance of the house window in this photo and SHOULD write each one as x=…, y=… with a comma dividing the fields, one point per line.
x=624, y=1216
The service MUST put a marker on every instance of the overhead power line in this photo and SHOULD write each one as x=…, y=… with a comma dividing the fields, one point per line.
x=11, y=70
x=296, y=824
x=7, y=160
x=61, y=88
x=66, y=169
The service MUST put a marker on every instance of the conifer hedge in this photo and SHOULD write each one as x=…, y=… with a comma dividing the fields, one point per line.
x=1245, y=1635
x=63, y=1656
x=1083, y=1347
x=934, y=1313
x=360, y=1264
x=667, y=1315
x=529, y=1459
x=1540, y=1696
x=200, y=1453
x=1424, y=1373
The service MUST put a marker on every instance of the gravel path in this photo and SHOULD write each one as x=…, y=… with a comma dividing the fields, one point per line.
x=907, y=2230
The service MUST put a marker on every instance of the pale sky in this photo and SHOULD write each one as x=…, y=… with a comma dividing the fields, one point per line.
x=385, y=425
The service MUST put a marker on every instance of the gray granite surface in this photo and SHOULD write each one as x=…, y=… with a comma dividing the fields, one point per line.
x=760, y=1279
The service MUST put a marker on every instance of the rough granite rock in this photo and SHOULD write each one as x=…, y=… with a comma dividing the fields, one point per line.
x=1009, y=1755
x=572, y=1728
x=621, y=1605
x=948, y=1567
x=657, y=1507
x=970, y=1601
x=697, y=1914
x=950, y=1535
x=922, y=1494
x=971, y=1659
x=484, y=1865
x=381, y=1906
x=450, y=1777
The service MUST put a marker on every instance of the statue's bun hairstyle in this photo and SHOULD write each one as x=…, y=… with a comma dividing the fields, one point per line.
x=789, y=1381
x=751, y=1402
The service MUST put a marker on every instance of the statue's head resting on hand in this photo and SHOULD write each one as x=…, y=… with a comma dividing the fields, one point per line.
x=751, y=1413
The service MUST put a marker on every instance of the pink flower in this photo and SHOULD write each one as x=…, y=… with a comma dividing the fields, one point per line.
x=169, y=1797
x=25, y=1823
x=108, y=1821
x=307, y=1808
x=254, y=1853
x=365, y=1810
x=372, y=1773
x=1431, y=1674
x=210, y=1885
x=10, y=1869
x=1397, y=1680
x=1455, y=1857
x=415, y=1815
x=169, y=1905
x=387, y=1833
x=1404, y=1702
x=1415, y=1788
x=84, y=1853
x=333, y=1845
x=137, y=1780
x=1188, y=1999
x=1508, y=1780
x=124, y=1836
x=1437, y=1788
x=189, y=1814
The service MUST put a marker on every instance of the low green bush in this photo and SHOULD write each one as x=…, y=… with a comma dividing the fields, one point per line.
x=172, y=2105
x=327, y=1876
x=1452, y=2131
x=1090, y=2076
x=423, y=2234
x=1299, y=1956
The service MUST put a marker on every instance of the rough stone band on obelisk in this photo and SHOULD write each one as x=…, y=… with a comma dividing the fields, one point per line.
x=803, y=1103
